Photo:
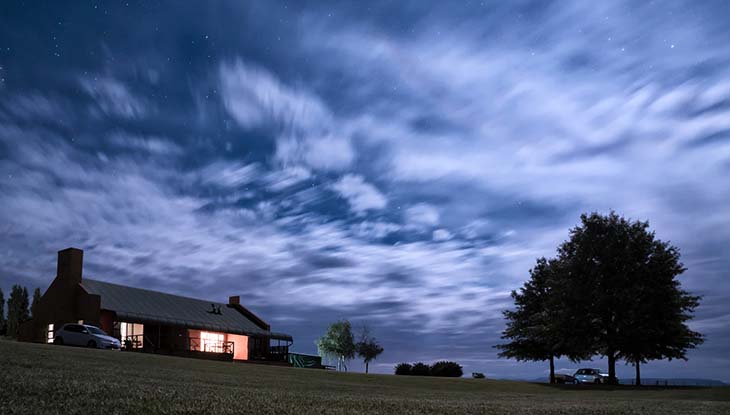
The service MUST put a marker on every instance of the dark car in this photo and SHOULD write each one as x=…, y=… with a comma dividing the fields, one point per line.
x=563, y=379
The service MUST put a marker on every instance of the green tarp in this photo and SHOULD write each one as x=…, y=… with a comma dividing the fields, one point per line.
x=305, y=360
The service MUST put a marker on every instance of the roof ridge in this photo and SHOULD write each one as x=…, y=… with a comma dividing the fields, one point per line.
x=152, y=291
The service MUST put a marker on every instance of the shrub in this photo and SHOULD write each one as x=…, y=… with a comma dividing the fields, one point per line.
x=478, y=375
x=403, y=369
x=446, y=369
x=420, y=369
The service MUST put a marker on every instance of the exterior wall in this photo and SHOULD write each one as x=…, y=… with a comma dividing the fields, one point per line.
x=106, y=322
x=240, y=346
x=64, y=301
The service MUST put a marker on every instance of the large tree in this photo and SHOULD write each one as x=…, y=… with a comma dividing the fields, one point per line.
x=338, y=342
x=17, y=309
x=36, y=300
x=368, y=347
x=536, y=328
x=2, y=312
x=622, y=282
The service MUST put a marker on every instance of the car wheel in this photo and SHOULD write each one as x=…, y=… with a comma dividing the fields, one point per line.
x=91, y=344
x=58, y=340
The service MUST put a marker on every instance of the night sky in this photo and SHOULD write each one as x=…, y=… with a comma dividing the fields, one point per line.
x=397, y=163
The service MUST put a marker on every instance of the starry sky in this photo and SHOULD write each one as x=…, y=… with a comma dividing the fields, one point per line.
x=400, y=164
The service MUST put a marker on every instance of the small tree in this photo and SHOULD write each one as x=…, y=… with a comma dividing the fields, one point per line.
x=17, y=309
x=2, y=312
x=368, y=347
x=338, y=342
x=36, y=300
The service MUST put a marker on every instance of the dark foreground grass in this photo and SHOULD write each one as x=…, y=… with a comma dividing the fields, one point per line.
x=44, y=379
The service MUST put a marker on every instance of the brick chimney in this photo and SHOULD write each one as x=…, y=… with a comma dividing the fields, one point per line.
x=70, y=265
x=234, y=299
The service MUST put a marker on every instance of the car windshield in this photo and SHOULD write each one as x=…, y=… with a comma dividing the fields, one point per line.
x=94, y=330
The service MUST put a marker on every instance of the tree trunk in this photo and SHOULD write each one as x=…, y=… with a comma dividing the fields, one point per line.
x=638, y=373
x=611, y=368
x=366, y=367
x=552, y=369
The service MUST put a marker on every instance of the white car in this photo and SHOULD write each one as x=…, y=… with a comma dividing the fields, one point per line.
x=590, y=376
x=85, y=335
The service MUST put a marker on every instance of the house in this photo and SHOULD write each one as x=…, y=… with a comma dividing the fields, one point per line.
x=152, y=321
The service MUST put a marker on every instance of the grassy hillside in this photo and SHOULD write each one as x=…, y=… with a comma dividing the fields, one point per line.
x=55, y=379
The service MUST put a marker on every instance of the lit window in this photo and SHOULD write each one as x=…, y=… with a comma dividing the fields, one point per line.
x=81, y=321
x=132, y=334
x=211, y=342
x=49, y=335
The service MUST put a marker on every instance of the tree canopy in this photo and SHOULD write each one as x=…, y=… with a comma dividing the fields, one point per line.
x=338, y=342
x=36, y=300
x=17, y=309
x=622, y=280
x=536, y=327
x=368, y=347
x=2, y=312
x=612, y=291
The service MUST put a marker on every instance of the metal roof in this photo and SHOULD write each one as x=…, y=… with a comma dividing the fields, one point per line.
x=140, y=305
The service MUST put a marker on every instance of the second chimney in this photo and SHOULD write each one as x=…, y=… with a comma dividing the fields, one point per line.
x=234, y=299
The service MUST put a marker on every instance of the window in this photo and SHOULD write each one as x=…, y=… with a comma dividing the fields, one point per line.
x=73, y=328
x=132, y=334
x=211, y=342
x=49, y=334
x=96, y=330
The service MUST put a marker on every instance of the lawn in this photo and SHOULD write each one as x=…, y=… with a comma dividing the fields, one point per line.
x=47, y=379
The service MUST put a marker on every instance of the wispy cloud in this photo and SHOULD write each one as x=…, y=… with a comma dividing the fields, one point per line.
x=404, y=174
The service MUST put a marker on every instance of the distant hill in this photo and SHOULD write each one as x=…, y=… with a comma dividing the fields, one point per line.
x=675, y=382
x=662, y=381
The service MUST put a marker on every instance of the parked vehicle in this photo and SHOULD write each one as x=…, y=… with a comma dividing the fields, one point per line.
x=562, y=378
x=85, y=335
x=590, y=376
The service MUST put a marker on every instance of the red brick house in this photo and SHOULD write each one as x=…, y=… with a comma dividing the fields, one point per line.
x=153, y=321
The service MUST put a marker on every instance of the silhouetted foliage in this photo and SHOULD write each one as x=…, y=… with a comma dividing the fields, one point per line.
x=36, y=300
x=622, y=283
x=368, y=347
x=535, y=328
x=403, y=369
x=420, y=369
x=612, y=291
x=2, y=312
x=446, y=369
x=17, y=309
x=339, y=343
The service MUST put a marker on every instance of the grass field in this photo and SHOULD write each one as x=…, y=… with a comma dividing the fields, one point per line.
x=44, y=379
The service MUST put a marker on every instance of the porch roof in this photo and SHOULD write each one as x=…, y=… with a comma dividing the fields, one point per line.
x=140, y=305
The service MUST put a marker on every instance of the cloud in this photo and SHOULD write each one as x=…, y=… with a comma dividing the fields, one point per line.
x=361, y=196
x=255, y=97
x=465, y=146
x=112, y=97
x=422, y=215
x=442, y=235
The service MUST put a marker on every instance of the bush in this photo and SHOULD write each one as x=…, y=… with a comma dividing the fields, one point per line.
x=478, y=375
x=420, y=369
x=403, y=369
x=446, y=369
